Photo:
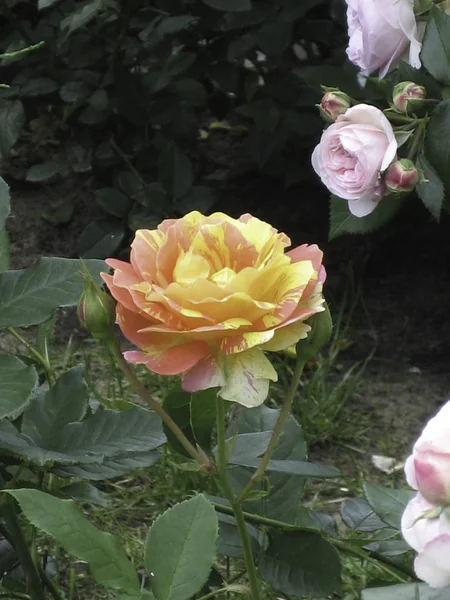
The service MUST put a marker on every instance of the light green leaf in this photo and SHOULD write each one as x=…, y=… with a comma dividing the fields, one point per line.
x=12, y=120
x=435, y=53
x=229, y=542
x=290, y=467
x=5, y=205
x=110, y=467
x=387, y=503
x=49, y=411
x=181, y=548
x=301, y=564
x=109, y=433
x=285, y=490
x=17, y=383
x=358, y=514
x=62, y=520
x=405, y=591
x=29, y=296
x=81, y=491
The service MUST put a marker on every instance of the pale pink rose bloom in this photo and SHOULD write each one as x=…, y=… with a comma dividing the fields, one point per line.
x=352, y=154
x=380, y=33
x=431, y=539
x=428, y=467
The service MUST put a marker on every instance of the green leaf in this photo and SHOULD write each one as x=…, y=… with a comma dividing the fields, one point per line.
x=29, y=296
x=17, y=383
x=49, y=411
x=39, y=86
x=248, y=445
x=229, y=542
x=405, y=591
x=101, y=238
x=110, y=467
x=190, y=90
x=437, y=142
x=12, y=120
x=285, y=490
x=63, y=521
x=229, y=5
x=42, y=4
x=342, y=221
x=45, y=335
x=113, y=202
x=301, y=564
x=43, y=171
x=290, y=467
x=170, y=25
x=177, y=405
x=84, y=492
x=14, y=443
x=82, y=16
x=387, y=503
x=175, y=171
x=4, y=202
x=358, y=514
x=274, y=38
x=181, y=548
x=435, y=53
x=74, y=91
x=203, y=416
x=5, y=255
x=431, y=191
x=199, y=198
x=108, y=433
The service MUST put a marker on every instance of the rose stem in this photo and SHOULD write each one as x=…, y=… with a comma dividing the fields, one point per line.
x=198, y=455
x=259, y=473
x=235, y=504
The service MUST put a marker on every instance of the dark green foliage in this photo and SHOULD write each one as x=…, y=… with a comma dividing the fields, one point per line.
x=124, y=89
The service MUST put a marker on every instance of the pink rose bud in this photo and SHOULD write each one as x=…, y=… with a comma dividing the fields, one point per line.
x=333, y=104
x=96, y=309
x=408, y=96
x=428, y=467
x=401, y=176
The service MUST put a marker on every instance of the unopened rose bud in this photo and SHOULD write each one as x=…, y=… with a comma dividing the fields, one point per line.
x=333, y=104
x=401, y=176
x=408, y=96
x=96, y=309
x=321, y=327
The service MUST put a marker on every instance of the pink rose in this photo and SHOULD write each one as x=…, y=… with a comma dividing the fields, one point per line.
x=429, y=536
x=428, y=468
x=380, y=32
x=351, y=155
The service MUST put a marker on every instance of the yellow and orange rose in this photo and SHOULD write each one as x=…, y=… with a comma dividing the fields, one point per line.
x=205, y=297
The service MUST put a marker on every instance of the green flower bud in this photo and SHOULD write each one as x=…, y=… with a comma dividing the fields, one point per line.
x=321, y=328
x=96, y=309
x=408, y=96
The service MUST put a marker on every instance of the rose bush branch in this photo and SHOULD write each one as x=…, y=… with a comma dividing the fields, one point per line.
x=197, y=454
x=234, y=502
